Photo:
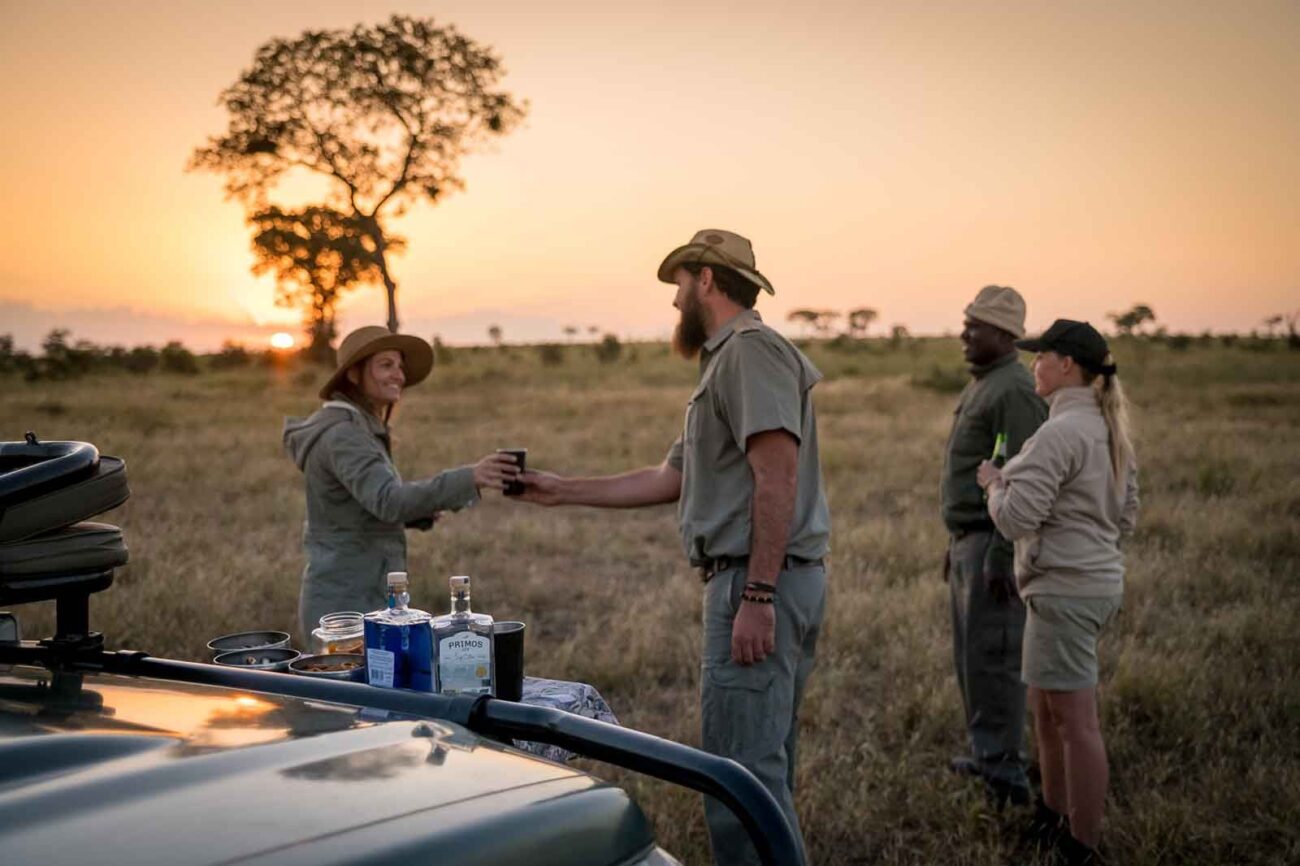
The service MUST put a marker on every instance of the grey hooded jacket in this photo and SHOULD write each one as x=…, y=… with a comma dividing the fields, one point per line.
x=358, y=507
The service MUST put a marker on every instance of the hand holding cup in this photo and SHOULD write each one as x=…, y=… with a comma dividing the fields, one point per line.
x=497, y=471
x=514, y=486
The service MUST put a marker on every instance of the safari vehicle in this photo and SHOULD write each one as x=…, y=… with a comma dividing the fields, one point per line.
x=118, y=757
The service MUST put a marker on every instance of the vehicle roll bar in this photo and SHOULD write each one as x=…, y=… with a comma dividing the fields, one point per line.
x=721, y=778
x=41, y=465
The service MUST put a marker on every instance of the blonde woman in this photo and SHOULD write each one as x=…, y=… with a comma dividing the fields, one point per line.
x=1066, y=500
x=358, y=507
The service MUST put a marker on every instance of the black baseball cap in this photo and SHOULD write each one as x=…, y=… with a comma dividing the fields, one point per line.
x=1078, y=340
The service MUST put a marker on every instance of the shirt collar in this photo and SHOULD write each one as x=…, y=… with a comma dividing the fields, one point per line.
x=728, y=328
x=1067, y=398
x=979, y=371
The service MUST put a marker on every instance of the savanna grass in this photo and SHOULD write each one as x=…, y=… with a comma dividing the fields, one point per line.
x=1201, y=699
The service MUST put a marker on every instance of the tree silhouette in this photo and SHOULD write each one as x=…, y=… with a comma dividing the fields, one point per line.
x=315, y=254
x=860, y=320
x=1130, y=322
x=825, y=320
x=383, y=112
x=806, y=319
x=494, y=333
x=898, y=335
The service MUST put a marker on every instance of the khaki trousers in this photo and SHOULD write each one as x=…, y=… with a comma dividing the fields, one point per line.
x=751, y=713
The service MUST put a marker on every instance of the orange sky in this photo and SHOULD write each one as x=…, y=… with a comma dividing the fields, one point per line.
x=897, y=155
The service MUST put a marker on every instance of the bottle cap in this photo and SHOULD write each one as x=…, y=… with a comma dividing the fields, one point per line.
x=460, y=581
x=396, y=577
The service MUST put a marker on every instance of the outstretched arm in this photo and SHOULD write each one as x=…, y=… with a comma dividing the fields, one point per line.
x=653, y=485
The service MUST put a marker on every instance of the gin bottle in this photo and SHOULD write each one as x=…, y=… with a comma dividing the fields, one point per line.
x=463, y=659
x=398, y=641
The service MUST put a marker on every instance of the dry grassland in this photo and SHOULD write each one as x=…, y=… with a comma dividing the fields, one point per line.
x=1201, y=697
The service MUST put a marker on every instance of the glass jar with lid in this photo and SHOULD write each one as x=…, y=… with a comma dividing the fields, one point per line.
x=341, y=632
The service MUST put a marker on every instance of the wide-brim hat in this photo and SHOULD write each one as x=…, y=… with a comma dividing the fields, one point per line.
x=716, y=247
x=417, y=355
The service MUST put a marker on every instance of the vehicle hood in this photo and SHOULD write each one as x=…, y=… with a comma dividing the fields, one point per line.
x=109, y=769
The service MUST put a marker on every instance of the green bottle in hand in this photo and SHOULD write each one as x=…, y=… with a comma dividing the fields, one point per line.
x=999, y=456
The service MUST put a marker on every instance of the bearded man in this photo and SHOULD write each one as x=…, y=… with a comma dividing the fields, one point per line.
x=746, y=475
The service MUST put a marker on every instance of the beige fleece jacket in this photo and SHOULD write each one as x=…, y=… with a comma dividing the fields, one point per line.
x=1061, y=505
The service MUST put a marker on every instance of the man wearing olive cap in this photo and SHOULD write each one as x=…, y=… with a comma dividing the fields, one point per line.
x=988, y=618
x=746, y=476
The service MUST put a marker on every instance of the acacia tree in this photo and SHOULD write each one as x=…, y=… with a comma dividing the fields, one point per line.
x=384, y=112
x=860, y=320
x=1131, y=322
x=805, y=318
x=316, y=254
x=825, y=320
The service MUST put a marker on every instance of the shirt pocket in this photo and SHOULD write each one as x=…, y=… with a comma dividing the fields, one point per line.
x=695, y=409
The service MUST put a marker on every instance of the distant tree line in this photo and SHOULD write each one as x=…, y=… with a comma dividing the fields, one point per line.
x=1139, y=322
x=61, y=357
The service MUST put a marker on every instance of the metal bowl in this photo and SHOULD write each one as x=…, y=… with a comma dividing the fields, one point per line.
x=259, y=658
x=248, y=640
x=356, y=674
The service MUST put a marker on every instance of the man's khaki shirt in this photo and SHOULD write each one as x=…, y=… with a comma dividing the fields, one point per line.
x=752, y=380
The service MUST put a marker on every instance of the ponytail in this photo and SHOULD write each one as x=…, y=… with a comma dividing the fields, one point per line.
x=1114, y=408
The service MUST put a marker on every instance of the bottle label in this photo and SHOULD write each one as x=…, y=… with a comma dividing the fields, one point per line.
x=379, y=667
x=465, y=663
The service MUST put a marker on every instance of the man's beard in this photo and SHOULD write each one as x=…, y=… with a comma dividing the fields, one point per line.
x=691, y=332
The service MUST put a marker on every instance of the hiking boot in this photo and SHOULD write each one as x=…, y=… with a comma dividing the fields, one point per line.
x=1071, y=852
x=1001, y=792
x=1045, y=828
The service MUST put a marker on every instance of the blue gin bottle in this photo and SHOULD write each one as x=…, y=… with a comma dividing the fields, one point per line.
x=399, y=644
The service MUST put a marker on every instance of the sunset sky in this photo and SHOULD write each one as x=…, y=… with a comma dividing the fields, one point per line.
x=897, y=155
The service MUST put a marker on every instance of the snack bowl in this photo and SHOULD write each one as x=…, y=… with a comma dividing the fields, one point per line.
x=258, y=658
x=335, y=666
x=248, y=640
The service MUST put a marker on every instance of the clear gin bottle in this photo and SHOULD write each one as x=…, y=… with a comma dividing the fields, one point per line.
x=463, y=658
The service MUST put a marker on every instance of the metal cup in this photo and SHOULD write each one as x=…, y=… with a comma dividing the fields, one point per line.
x=514, y=488
x=508, y=648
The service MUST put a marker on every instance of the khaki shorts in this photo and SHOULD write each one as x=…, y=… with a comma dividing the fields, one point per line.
x=1060, y=647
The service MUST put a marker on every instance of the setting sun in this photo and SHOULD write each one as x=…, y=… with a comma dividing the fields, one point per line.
x=281, y=340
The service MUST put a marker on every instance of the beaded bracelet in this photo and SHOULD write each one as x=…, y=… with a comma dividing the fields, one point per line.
x=758, y=599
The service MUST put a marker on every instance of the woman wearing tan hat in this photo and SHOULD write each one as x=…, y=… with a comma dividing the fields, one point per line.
x=1066, y=500
x=358, y=507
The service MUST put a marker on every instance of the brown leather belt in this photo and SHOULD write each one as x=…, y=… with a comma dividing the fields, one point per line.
x=709, y=567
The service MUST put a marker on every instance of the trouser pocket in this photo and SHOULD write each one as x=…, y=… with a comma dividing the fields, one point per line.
x=739, y=712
